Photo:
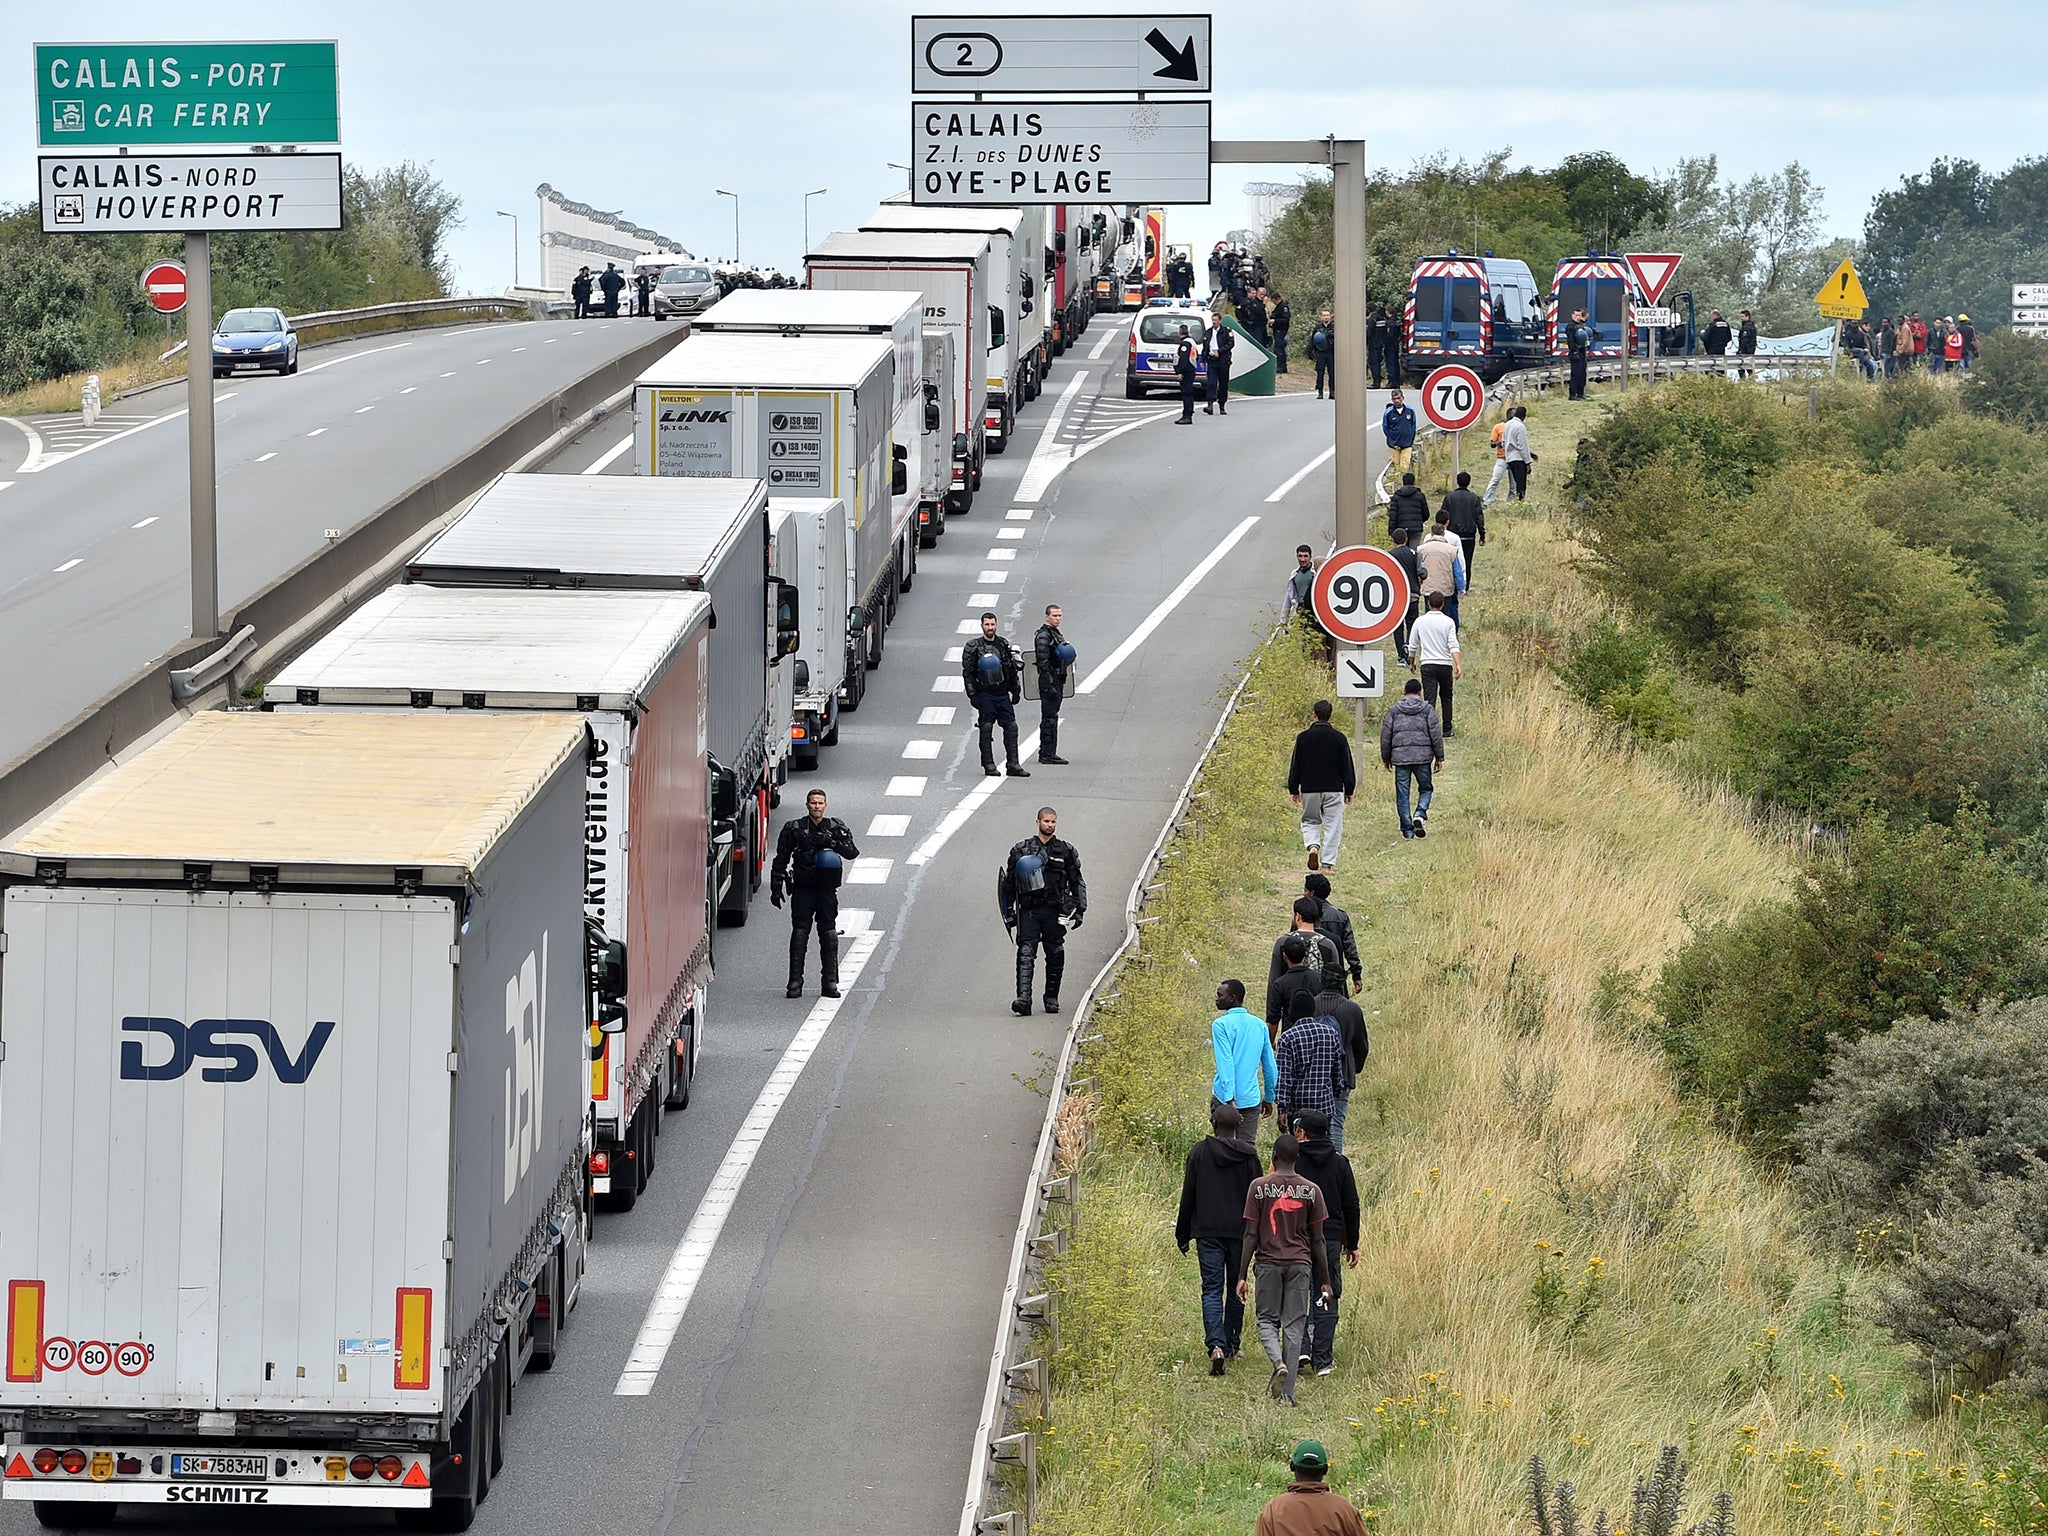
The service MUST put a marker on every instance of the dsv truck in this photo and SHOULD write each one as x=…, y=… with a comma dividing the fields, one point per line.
x=637, y=667
x=951, y=272
x=619, y=533
x=292, y=1113
x=812, y=417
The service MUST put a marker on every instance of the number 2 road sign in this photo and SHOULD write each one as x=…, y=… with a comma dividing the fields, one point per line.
x=1361, y=674
x=1452, y=397
x=1360, y=595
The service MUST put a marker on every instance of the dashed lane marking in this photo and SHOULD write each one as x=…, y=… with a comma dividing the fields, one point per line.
x=937, y=714
x=1018, y=514
x=1009, y=533
x=981, y=599
x=143, y=524
x=948, y=683
x=686, y=1266
x=75, y=560
x=970, y=626
x=408, y=389
x=316, y=432
x=993, y=578
x=921, y=749
x=855, y=920
x=265, y=458
x=868, y=870
x=952, y=653
x=887, y=825
x=1000, y=554
x=906, y=785
x=447, y=375
x=364, y=409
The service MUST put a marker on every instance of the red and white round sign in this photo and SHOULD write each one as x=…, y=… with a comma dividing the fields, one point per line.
x=164, y=286
x=1453, y=397
x=1361, y=595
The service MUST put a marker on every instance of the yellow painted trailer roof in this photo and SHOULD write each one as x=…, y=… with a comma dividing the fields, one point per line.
x=347, y=789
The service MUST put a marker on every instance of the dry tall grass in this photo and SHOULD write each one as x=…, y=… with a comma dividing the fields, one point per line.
x=1558, y=1257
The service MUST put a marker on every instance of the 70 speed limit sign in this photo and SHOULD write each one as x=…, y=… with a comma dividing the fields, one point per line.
x=1361, y=595
x=1453, y=397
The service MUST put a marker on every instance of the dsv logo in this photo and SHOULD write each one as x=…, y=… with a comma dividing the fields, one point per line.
x=683, y=418
x=212, y=1040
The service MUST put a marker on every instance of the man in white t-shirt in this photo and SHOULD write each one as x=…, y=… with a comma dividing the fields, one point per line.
x=1433, y=644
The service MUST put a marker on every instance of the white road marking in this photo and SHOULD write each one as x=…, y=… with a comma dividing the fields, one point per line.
x=970, y=626
x=1050, y=456
x=981, y=599
x=976, y=797
x=950, y=683
x=1103, y=345
x=366, y=352
x=952, y=653
x=68, y=564
x=447, y=375
x=362, y=409
x=1000, y=554
x=553, y=339
x=604, y=461
x=316, y=432
x=867, y=870
x=4, y=484
x=921, y=749
x=1303, y=473
x=686, y=1266
x=481, y=361
x=519, y=349
x=575, y=333
x=855, y=920
x=35, y=439
x=906, y=785
x=1018, y=514
x=888, y=826
x=408, y=389
x=38, y=461
x=265, y=458
x=1009, y=533
x=937, y=714
x=993, y=578
x=143, y=524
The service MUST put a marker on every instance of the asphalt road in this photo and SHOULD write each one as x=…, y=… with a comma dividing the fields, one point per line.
x=94, y=548
x=829, y=1369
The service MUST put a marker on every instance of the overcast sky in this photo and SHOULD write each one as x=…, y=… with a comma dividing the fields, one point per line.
x=648, y=116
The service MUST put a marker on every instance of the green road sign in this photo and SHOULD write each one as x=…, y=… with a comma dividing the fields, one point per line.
x=186, y=94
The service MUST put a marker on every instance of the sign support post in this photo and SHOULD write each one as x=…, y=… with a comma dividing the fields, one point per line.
x=199, y=434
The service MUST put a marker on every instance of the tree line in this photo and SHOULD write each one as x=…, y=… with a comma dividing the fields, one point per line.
x=74, y=302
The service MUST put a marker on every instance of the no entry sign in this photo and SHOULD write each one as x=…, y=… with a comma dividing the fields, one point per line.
x=1452, y=397
x=164, y=286
x=1361, y=595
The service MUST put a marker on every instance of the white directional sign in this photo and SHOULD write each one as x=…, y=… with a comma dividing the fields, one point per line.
x=1118, y=55
x=1361, y=674
x=991, y=154
x=1646, y=315
x=145, y=193
x=2030, y=293
x=2033, y=316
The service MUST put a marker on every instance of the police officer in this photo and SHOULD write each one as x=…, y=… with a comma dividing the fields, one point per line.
x=1578, y=336
x=810, y=859
x=643, y=289
x=1042, y=895
x=994, y=675
x=1055, y=660
x=1186, y=369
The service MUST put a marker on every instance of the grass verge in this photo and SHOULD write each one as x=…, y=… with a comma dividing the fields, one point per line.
x=1559, y=1257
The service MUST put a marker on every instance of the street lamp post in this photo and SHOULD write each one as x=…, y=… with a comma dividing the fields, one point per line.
x=735, y=221
x=515, y=243
x=807, y=216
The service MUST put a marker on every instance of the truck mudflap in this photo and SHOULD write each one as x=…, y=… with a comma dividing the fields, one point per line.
x=48, y=1471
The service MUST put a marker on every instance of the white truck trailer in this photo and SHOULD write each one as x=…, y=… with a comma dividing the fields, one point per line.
x=623, y=533
x=809, y=550
x=813, y=417
x=292, y=1113
x=637, y=667
x=951, y=271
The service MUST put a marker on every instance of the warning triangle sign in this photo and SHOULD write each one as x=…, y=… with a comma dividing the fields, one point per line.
x=1841, y=297
x=18, y=1467
x=1653, y=271
x=417, y=1477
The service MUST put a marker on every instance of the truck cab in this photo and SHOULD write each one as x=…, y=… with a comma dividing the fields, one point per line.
x=1482, y=311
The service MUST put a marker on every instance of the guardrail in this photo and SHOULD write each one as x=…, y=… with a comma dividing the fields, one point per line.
x=1028, y=1311
x=1549, y=375
x=426, y=311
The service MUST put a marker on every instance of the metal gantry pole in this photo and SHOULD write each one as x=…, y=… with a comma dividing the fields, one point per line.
x=199, y=435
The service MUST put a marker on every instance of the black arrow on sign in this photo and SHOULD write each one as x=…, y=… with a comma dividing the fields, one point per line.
x=1180, y=62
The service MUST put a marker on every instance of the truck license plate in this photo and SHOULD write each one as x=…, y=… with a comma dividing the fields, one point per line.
x=220, y=1466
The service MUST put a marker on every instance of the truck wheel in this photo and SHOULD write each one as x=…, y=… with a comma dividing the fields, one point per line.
x=831, y=736
x=995, y=445
x=543, y=1356
x=910, y=549
x=854, y=688
x=61, y=1515
x=455, y=1511
x=681, y=1073
x=500, y=1377
x=875, y=640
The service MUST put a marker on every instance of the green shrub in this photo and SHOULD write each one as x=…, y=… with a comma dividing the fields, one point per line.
x=1725, y=436
x=1618, y=672
x=1918, y=1119
x=2009, y=380
x=1907, y=923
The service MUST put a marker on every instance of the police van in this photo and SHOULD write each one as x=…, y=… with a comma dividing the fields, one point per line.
x=1155, y=337
x=1482, y=311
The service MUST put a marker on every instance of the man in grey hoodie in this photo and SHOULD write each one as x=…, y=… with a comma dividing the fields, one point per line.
x=1411, y=746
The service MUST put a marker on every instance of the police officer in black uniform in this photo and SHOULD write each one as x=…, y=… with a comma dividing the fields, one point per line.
x=994, y=675
x=810, y=859
x=1186, y=369
x=1055, y=659
x=1042, y=895
x=1578, y=336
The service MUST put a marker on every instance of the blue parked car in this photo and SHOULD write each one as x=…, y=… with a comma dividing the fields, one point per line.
x=254, y=341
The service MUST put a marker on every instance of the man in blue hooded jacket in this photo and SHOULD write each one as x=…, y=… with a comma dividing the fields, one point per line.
x=1247, y=1074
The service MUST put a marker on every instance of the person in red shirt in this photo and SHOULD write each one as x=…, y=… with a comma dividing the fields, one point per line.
x=1919, y=339
x=1284, y=1214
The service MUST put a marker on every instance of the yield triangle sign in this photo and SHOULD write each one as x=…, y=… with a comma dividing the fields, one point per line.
x=1653, y=272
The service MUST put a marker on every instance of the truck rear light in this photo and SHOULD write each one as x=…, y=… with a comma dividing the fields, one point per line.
x=389, y=1467
x=739, y=853
x=543, y=1306
x=600, y=1164
x=796, y=733
x=72, y=1461
x=131, y=1466
x=46, y=1461
x=361, y=1468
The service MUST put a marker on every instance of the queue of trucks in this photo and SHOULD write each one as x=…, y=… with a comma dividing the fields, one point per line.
x=327, y=1026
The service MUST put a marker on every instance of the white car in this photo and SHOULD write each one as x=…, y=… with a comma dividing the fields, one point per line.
x=1155, y=335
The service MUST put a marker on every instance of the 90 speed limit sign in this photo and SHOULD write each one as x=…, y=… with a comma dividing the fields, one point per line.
x=1361, y=595
x=1453, y=397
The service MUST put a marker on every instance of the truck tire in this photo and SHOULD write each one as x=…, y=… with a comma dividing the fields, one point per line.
x=682, y=1071
x=854, y=689
x=61, y=1515
x=875, y=641
x=454, y=1511
x=554, y=1288
x=910, y=548
x=500, y=1377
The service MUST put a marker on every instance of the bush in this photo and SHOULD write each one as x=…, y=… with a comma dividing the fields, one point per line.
x=1753, y=1008
x=1618, y=672
x=2009, y=380
x=1724, y=437
x=1918, y=1119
